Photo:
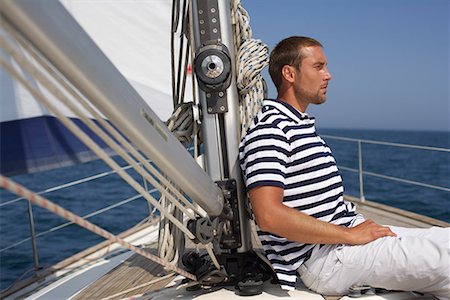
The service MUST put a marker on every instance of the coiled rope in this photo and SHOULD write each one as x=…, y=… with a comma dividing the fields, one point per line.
x=181, y=123
x=252, y=58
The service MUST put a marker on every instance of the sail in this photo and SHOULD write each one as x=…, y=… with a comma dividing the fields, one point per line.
x=135, y=37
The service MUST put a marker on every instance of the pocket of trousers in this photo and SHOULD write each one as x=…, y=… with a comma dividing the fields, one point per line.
x=318, y=269
x=309, y=279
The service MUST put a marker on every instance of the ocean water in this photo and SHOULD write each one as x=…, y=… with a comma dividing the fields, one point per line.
x=428, y=167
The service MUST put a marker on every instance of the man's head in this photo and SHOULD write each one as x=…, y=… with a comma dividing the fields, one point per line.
x=298, y=67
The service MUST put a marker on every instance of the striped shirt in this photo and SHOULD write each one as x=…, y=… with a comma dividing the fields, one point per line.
x=281, y=148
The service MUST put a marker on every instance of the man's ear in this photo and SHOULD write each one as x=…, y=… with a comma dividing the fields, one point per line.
x=288, y=73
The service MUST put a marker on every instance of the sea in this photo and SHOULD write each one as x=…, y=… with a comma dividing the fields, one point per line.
x=412, y=179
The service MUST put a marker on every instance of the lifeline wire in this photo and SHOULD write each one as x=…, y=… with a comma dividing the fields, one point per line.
x=80, y=134
x=60, y=211
x=103, y=122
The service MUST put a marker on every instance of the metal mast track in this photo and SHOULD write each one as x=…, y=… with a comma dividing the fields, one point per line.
x=212, y=39
x=77, y=57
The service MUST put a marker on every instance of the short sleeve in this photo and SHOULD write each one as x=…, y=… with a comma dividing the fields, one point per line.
x=264, y=156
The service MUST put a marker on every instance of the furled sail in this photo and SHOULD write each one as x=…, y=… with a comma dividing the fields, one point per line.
x=135, y=37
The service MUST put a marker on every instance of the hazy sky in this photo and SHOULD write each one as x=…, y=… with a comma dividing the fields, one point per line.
x=389, y=58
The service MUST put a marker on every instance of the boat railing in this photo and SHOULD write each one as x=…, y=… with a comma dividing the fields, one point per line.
x=34, y=236
x=362, y=172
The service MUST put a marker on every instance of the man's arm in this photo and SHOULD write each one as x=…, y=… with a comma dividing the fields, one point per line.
x=275, y=217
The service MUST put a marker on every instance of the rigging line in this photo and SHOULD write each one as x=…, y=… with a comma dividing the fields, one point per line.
x=187, y=50
x=65, y=185
x=40, y=77
x=209, y=249
x=180, y=53
x=140, y=286
x=407, y=181
x=180, y=58
x=179, y=284
x=60, y=211
x=387, y=143
x=348, y=169
x=197, y=142
x=109, y=128
x=393, y=178
x=90, y=143
x=174, y=25
x=63, y=225
x=70, y=184
x=95, y=128
x=185, y=69
x=150, y=208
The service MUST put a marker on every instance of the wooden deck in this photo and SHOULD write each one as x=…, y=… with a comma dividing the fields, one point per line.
x=134, y=276
x=388, y=215
x=130, y=278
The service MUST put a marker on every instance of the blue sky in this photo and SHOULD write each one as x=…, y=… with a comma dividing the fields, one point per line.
x=389, y=58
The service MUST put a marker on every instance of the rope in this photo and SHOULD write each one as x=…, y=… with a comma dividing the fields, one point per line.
x=170, y=239
x=61, y=226
x=60, y=211
x=178, y=285
x=139, y=286
x=80, y=134
x=251, y=57
x=181, y=123
x=65, y=185
x=110, y=129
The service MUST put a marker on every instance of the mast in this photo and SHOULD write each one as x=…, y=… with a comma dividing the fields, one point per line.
x=218, y=96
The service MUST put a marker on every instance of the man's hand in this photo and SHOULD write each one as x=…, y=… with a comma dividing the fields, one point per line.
x=367, y=232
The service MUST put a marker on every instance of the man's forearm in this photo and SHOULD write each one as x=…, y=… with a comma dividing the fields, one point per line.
x=297, y=226
x=275, y=217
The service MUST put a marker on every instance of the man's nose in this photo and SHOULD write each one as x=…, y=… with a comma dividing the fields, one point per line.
x=327, y=75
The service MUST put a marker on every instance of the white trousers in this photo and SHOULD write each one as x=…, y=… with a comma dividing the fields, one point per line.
x=415, y=260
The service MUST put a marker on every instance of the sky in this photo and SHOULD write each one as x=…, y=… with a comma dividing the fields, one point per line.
x=389, y=59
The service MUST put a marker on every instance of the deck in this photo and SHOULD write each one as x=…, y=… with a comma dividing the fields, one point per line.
x=133, y=276
x=388, y=215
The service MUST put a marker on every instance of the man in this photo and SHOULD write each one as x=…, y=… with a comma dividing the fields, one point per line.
x=296, y=194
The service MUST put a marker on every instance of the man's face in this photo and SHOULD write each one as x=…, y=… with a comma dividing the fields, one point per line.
x=313, y=76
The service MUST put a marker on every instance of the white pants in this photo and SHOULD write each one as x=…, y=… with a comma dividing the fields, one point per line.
x=415, y=260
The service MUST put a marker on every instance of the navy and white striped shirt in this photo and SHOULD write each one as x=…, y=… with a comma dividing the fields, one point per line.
x=281, y=148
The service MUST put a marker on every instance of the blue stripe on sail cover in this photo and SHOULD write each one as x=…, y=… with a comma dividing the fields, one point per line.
x=42, y=143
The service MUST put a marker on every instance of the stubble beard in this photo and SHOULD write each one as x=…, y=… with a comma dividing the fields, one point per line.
x=311, y=97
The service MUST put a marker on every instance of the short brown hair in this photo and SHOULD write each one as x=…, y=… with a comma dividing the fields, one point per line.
x=288, y=52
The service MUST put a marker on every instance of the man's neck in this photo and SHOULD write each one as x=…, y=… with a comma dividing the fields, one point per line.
x=292, y=100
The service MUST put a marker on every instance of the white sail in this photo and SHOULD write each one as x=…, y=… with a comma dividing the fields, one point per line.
x=135, y=37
